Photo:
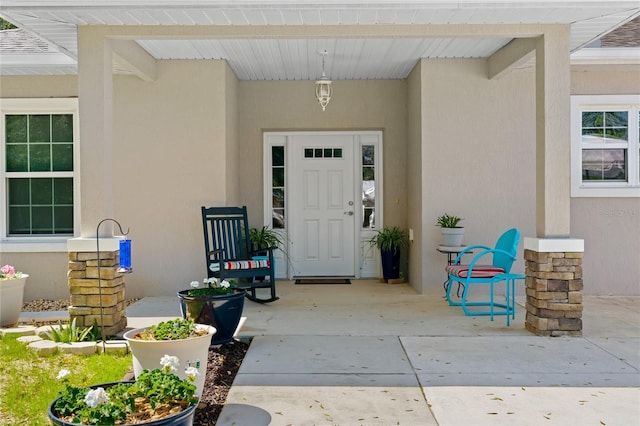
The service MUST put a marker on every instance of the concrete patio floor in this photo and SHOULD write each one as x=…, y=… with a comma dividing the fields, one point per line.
x=379, y=354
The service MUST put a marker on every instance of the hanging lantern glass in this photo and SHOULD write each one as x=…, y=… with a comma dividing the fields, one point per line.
x=323, y=92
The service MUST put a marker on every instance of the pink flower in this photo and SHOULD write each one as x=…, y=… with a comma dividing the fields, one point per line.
x=8, y=270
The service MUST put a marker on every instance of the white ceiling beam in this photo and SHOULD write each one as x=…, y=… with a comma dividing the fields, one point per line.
x=517, y=52
x=130, y=55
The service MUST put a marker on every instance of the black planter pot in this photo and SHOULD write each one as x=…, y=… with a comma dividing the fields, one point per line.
x=390, y=264
x=183, y=418
x=220, y=311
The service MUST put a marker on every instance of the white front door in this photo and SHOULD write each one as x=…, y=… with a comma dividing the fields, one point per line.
x=322, y=205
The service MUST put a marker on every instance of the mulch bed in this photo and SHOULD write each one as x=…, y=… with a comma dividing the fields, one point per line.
x=224, y=362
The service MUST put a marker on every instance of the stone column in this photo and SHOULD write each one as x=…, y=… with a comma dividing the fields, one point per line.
x=96, y=300
x=553, y=269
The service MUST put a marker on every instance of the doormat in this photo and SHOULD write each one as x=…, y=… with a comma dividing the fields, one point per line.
x=323, y=281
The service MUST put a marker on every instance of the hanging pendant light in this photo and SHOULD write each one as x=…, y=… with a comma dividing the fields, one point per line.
x=323, y=86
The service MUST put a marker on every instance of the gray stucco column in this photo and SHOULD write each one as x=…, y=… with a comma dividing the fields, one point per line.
x=553, y=260
x=95, y=90
x=553, y=150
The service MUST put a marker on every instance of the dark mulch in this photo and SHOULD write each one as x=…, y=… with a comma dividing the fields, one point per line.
x=224, y=362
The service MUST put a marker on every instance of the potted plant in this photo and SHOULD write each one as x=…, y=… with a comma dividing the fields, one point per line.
x=451, y=233
x=390, y=241
x=219, y=305
x=262, y=239
x=12, y=285
x=182, y=338
x=157, y=397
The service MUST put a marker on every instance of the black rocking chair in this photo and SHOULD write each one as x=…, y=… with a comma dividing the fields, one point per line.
x=228, y=251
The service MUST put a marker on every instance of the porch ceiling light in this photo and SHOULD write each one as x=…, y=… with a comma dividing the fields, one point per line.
x=323, y=86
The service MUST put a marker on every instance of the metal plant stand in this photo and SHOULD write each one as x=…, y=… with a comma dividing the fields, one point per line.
x=122, y=270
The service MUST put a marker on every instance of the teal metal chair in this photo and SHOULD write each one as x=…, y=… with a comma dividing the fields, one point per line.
x=229, y=255
x=489, y=267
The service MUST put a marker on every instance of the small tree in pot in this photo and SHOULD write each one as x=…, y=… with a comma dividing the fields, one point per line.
x=390, y=241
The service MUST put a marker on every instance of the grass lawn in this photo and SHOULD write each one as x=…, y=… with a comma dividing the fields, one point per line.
x=28, y=382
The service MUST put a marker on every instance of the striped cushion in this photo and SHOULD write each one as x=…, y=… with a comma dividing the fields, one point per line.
x=479, y=271
x=240, y=264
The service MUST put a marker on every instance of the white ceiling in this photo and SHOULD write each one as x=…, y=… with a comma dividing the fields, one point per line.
x=365, y=56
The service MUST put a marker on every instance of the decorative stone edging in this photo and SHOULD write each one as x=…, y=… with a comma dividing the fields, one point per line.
x=31, y=336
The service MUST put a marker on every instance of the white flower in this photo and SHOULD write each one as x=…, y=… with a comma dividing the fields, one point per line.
x=192, y=373
x=225, y=284
x=169, y=363
x=212, y=280
x=195, y=284
x=95, y=397
x=63, y=373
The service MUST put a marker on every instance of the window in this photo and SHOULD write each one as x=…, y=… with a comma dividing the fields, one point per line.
x=39, y=152
x=605, y=146
x=277, y=187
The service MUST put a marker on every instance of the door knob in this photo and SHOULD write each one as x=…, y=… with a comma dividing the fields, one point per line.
x=349, y=213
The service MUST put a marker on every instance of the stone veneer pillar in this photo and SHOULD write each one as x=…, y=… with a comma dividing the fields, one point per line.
x=553, y=269
x=87, y=303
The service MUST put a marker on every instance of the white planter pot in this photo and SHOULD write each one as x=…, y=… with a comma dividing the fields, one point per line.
x=452, y=237
x=147, y=353
x=11, y=295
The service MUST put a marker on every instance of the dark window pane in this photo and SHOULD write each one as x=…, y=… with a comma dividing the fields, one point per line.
x=368, y=155
x=592, y=119
x=278, y=177
x=308, y=153
x=278, y=197
x=63, y=220
x=368, y=173
x=337, y=153
x=17, y=158
x=39, y=158
x=63, y=191
x=277, y=156
x=604, y=165
x=18, y=192
x=42, y=220
x=19, y=220
x=62, y=128
x=278, y=219
x=16, y=128
x=317, y=152
x=62, y=157
x=39, y=128
x=369, y=218
x=328, y=153
x=41, y=191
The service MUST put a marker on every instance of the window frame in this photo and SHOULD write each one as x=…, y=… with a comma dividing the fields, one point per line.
x=586, y=103
x=24, y=106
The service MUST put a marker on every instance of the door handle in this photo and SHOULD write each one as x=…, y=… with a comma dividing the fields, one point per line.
x=349, y=213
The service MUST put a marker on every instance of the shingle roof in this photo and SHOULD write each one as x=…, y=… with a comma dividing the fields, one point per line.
x=628, y=35
x=21, y=41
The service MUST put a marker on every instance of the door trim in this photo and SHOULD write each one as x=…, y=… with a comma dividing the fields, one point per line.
x=365, y=259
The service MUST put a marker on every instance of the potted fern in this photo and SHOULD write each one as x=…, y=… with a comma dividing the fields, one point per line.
x=390, y=241
x=451, y=233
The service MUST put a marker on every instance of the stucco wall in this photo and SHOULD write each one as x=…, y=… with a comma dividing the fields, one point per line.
x=170, y=148
x=610, y=227
x=478, y=156
x=173, y=152
x=415, y=200
x=355, y=105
